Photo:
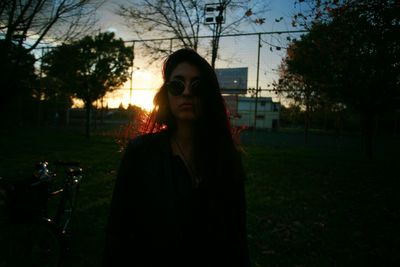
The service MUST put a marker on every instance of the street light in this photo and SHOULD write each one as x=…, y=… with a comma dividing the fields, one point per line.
x=214, y=14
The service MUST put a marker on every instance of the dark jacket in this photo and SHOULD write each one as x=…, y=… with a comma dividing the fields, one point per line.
x=158, y=219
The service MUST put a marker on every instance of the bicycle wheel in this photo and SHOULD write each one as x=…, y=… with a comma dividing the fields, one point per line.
x=35, y=244
x=67, y=207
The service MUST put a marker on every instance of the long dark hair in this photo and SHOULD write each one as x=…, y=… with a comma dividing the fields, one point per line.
x=214, y=148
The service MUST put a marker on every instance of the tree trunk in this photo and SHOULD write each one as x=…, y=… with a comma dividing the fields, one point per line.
x=39, y=113
x=306, y=123
x=95, y=116
x=88, y=113
x=215, y=43
x=338, y=127
x=102, y=111
x=368, y=133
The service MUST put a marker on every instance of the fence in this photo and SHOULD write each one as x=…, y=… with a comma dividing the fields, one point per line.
x=261, y=53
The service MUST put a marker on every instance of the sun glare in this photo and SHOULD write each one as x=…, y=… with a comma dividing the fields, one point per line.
x=144, y=86
x=140, y=97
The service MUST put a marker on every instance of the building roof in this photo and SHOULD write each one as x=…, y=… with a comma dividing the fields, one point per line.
x=252, y=99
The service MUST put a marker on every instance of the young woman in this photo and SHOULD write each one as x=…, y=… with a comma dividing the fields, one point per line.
x=179, y=196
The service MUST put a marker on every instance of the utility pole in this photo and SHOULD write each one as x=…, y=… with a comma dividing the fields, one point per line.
x=131, y=74
x=215, y=15
x=39, y=114
x=257, y=80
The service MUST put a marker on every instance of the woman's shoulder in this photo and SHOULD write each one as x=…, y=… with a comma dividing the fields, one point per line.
x=148, y=141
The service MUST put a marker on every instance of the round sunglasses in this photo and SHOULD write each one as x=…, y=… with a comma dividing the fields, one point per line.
x=176, y=87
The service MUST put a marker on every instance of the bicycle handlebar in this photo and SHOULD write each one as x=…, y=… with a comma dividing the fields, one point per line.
x=67, y=163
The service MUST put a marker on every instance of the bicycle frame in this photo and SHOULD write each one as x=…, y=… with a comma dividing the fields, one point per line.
x=69, y=194
x=33, y=237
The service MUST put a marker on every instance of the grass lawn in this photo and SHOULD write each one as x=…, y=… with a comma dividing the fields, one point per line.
x=316, y=205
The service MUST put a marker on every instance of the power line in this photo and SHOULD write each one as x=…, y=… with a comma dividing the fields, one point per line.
x=223, y=35
x=137, y=89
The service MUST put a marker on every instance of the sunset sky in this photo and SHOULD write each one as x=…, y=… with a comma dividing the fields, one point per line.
x=234, y=52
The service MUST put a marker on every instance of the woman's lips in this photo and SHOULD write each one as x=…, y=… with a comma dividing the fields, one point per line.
x=186, y=105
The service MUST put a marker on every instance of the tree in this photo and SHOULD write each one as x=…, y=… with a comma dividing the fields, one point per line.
x=53, y=102
x=24, y=24
x=182, y=20
x=27, y=23
x=303, y=92
x=89, y=68
x=18, y=78
x=352, y=53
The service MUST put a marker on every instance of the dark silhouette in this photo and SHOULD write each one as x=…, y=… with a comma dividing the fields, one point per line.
x=32, y=232
x=350, y=60
x=89, y=68
x=179, y=196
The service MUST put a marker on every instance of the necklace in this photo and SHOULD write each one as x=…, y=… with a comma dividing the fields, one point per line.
x=193, y=175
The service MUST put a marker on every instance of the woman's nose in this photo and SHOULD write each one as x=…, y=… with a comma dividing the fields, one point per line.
x=187, y=91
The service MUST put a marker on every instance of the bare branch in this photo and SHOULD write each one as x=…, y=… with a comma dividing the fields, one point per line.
x=30, y=22
x=181, y=20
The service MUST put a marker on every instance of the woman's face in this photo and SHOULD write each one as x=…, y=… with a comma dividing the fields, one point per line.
x=185, y=106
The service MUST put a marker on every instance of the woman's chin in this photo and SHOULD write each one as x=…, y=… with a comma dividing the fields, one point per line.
x=186, y=116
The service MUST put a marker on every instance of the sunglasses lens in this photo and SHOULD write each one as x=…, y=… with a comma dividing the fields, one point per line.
x=196, y=87
x=175, y=88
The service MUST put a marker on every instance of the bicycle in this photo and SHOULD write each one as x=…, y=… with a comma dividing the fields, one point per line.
x=29, y=236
